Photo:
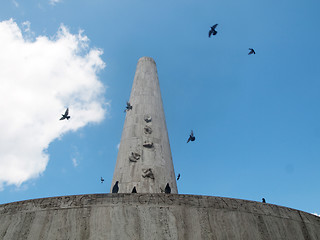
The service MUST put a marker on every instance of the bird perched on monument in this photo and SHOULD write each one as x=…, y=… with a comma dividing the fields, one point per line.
x=128, y=107
x=191, y=137
x=134, y=190
x=167, y=189
x=213, y=30
x=65, y=115
x=263, y=200
x=115, y=188
x=178, y=177
x=101, y=179
x=251, y=51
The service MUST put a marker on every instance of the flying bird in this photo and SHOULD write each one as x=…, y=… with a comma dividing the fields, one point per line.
x=178, y=177
x=128, y=107
x=251, y=51
x=115, y=188
x=167, y=189
x=101, y=179
x=191, y=137
x=134, y=190
x=65, y=115
x=213, y=30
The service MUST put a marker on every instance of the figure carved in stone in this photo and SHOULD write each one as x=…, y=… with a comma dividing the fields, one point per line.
x=134, y=157
x=147, y=118
x=147, y=173
x=148, y=144
x=115, y=188
x=147, y=130
x=167, y=188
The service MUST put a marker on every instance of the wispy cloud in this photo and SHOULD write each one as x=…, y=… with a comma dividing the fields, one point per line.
x=54, y=2
x=39, y=79
x=26, y=26
x=316, y=214
x=15, y=3
x=118, y=145
x=74, y=162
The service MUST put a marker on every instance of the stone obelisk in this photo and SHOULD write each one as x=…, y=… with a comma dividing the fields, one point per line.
x=144, y=158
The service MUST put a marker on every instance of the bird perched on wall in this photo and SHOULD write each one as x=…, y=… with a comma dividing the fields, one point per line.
x=101, y=179
x=191, y=137
x=251, y=51
x=65, y=115
x=115, y=188
x=128, y=107
x=178, y=177
x=167, y=189
x=213, y=30
x=134, y=190
x=263, y=200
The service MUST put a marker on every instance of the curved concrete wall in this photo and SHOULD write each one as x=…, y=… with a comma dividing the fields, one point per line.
x=153, y=216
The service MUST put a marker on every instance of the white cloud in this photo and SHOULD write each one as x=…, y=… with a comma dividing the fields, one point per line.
x=74, y=162
x=38, y=80
x=54, y=2
x=316, y=214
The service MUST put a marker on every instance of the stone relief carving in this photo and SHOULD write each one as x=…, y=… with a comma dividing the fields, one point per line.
x=134, y=157
x=148, y=144
x=147, y=173
x=147, y=118
x=147, y=130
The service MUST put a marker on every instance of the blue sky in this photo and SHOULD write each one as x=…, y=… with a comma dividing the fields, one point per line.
x=255, y=118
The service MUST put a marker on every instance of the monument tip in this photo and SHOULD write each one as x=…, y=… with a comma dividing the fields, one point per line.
x=146, y=59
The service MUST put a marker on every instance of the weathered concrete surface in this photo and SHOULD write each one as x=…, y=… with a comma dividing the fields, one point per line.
x=153, y=216
x=144, y=158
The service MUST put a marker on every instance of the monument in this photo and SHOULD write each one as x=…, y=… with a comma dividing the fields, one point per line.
x=144, y=157
x=141, y=209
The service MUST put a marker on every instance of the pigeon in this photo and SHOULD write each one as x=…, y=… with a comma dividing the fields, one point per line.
x=263, y=200
x=251, y=51
x=178, y=177
x=213, y=30
x=167, y=189
x=134, y=190
x=65, y=115
x=191, y=137
x=128, y=107
x=102, y=180
x=115, y=188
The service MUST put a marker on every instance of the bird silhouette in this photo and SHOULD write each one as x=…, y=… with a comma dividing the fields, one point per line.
x=213, y=30
x=178, y=177
x=134, y=190
x=191, y=137
x=115, y=188
x=65, y=115
x=101, y=179
x=128, y=107
x=263, y=200
x=167, y=189
x=251, y=51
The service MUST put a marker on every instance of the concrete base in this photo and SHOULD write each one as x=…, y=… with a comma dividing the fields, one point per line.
x=153, y=216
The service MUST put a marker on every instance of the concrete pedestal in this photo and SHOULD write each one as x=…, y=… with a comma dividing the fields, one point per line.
x=153, y=216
